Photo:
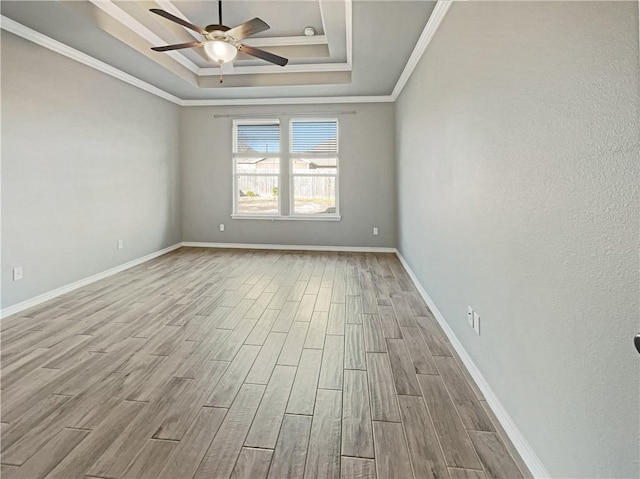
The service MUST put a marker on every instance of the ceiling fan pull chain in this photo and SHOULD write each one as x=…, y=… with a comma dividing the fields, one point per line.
x=220, y=73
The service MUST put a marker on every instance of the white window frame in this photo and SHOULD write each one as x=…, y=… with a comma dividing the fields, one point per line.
x=290, y=156
x=235, y=174
x=285, y=169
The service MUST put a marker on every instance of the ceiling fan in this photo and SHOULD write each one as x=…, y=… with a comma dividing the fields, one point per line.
x=222, y=43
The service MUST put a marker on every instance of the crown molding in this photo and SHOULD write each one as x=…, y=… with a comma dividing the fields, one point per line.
x=349, y=30
x=27, y=33
x=435, y=19
x=38, y=38
x=316, y=100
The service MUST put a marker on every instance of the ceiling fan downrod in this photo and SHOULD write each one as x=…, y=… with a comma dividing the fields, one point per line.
x=220, y=23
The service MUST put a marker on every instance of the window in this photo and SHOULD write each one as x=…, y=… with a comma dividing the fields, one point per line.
x=310, y=162
x=314, y=167
x=256, y=160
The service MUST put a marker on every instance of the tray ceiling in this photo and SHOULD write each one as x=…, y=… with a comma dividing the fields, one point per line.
x=360, y=47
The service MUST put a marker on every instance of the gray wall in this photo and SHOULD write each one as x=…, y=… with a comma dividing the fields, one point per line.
x=86, y=160
x=517, y=143
x=366, y=188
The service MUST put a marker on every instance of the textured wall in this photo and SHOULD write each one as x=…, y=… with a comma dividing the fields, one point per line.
x=366, y=188
x=517, y=143
x=86, y=160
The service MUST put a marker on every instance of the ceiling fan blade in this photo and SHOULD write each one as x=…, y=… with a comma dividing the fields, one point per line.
x=178, y=46
x=179, y=20
x=248, y=28
x=270, y=57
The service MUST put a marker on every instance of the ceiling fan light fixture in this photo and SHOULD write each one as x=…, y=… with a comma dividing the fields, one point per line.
x=220, y=51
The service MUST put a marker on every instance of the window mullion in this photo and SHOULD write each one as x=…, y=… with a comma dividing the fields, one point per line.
x=286, y=191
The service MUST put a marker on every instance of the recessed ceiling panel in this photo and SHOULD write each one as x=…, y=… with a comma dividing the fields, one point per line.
x=360, y=47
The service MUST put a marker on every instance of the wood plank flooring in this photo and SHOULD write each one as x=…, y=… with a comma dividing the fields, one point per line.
x=207, y=363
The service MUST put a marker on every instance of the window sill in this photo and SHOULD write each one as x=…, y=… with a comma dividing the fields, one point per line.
x=287, y=218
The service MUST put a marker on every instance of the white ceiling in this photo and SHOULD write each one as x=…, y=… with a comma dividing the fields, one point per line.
x=360, y=49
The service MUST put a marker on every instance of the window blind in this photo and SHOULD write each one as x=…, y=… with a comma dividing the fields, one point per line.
x=257, y=138
x=314, y=137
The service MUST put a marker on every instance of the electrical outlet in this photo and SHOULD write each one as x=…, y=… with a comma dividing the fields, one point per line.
x=375, y=231
x=120, y=244
x=17, y=273
x=476, y=322
x=221, y=227
x=470, y=316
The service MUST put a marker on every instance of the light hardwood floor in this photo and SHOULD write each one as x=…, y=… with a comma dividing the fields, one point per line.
x=209, y=363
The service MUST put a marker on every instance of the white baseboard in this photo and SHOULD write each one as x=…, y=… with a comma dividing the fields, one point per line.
x=29, y=303
x=16, y=308
x=517, y=438
x=361, y=249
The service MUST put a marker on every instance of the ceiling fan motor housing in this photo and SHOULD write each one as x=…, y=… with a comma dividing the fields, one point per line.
x=217, y=32
x=213, y=28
